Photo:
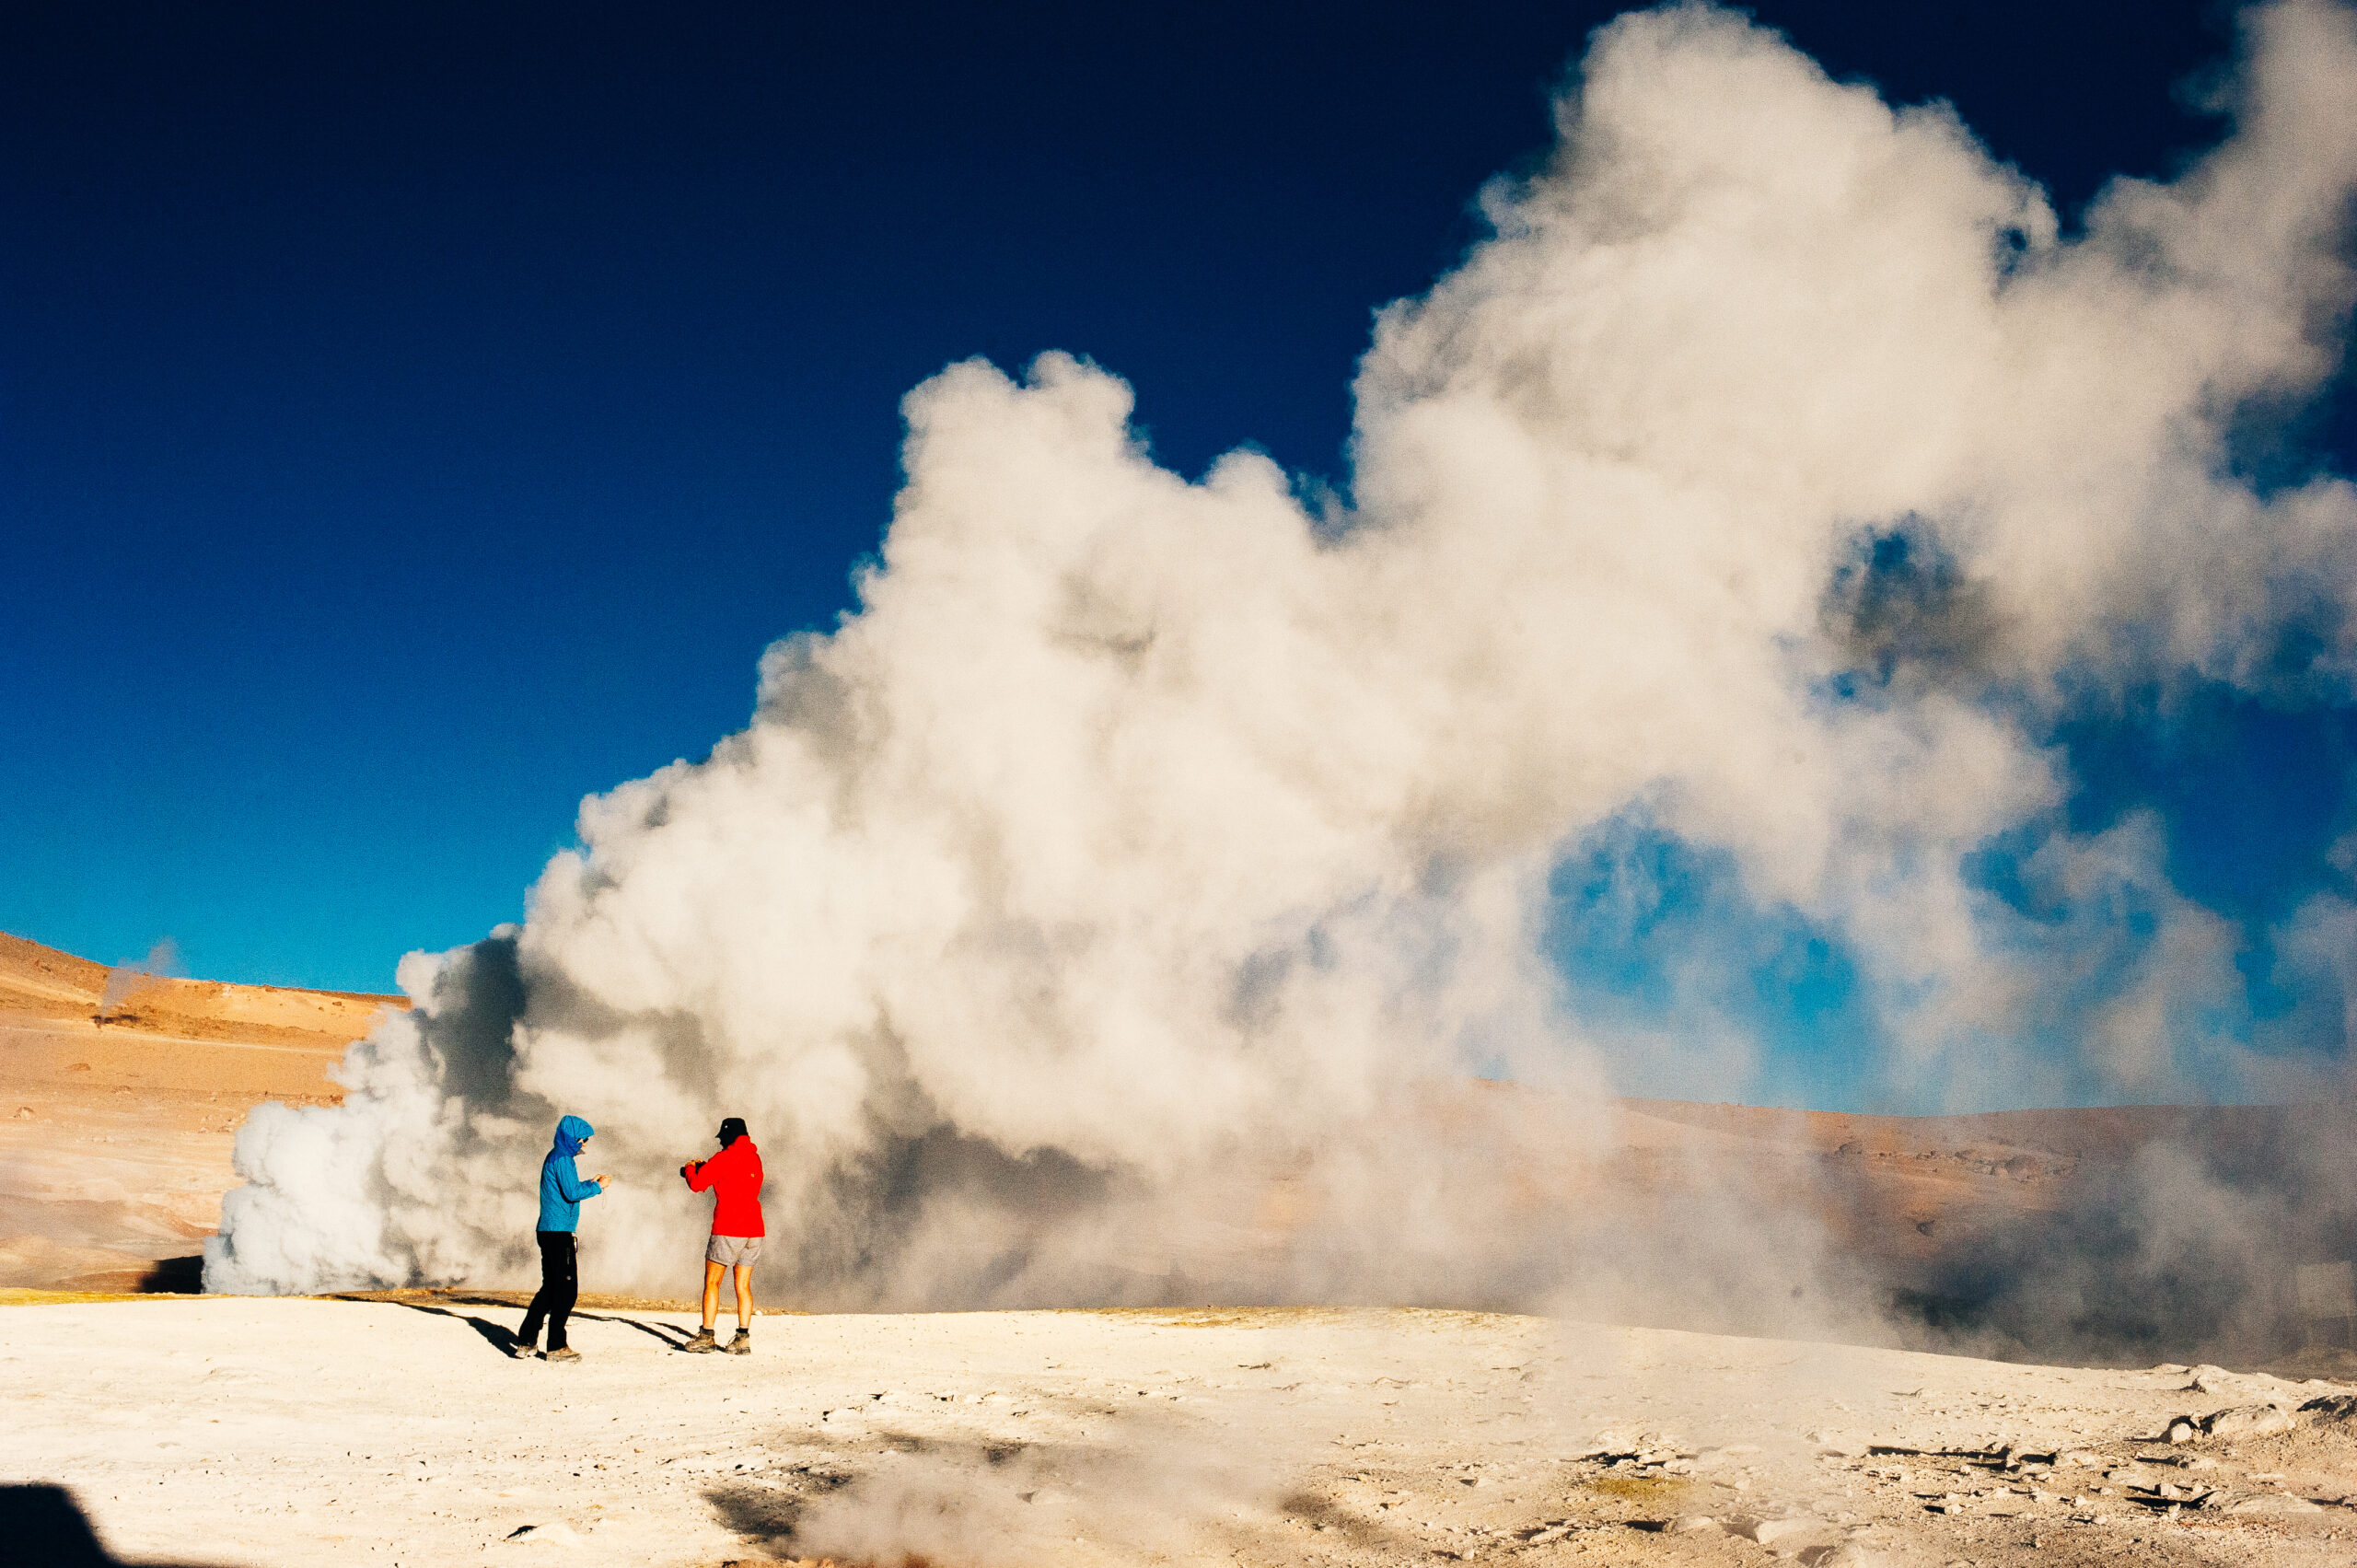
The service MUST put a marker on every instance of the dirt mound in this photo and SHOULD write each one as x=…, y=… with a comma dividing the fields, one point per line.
x=120, y=1110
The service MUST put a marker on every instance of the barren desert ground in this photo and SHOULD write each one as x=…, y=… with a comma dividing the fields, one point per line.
x=397, y=1429
x=300, y=1432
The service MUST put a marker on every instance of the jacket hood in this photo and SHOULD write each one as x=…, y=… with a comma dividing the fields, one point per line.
x=571, y=1134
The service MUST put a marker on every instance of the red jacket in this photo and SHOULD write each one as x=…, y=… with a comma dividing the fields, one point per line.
x=735, y=1173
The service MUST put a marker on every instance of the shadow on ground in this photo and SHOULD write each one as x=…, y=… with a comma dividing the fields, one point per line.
x=43, y=1525
x=165, y=1276
x=499, y=1336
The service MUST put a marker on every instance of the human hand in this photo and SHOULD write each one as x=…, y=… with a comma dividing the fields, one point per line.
x=601, y=1181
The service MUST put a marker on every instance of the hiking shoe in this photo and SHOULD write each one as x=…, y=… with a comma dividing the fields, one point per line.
x=743, y=1344
x=567, y=1354
x=523, y=1351
x=703, y=1342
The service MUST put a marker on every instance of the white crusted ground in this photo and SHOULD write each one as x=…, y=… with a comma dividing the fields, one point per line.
x=293, y=1431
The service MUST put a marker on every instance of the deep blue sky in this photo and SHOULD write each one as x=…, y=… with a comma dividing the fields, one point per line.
x=415, y=417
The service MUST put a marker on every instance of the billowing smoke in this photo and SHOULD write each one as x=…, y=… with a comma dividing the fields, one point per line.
x=126, y=982
x=1117, y=905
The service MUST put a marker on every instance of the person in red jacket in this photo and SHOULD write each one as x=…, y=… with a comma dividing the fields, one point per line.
x=733, y=1177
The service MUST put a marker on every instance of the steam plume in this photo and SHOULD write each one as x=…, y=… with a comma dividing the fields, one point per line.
x=1094, y=913
x=127, y=980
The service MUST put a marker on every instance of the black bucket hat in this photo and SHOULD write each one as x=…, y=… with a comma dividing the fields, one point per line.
x=731, y=1128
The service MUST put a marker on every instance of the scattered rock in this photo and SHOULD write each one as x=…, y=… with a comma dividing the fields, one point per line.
x=1695, y=1524
x=2244, y=1420
x=24, y=1114
x=1613, y=1441
x=2181, y=1430
x=2276, y=1504
x=1847, y=1554
x=1785, y=1537
x=2330, y=1406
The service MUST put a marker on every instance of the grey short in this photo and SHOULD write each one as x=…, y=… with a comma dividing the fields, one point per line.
x=738, y=1251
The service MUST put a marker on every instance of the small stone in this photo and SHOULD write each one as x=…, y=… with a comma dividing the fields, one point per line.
x=1694, y=1525
x=2244, y=1420
x=2180, y=1431
x=24, y=1114
x=2275, y=1503
x=1849, y=1554
x=1787, y=1536
x=558, y=1534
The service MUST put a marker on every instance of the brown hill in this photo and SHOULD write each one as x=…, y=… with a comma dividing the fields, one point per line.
x=119, y=1111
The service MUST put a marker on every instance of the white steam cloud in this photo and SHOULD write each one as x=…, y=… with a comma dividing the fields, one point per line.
x=1104, y=909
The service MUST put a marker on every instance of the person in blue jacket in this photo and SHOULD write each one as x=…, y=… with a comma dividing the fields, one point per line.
x=562, y=1191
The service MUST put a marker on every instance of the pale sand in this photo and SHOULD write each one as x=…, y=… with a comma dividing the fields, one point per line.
x=302, y=1432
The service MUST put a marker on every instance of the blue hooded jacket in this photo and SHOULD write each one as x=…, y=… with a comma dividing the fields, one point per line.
x=562, y=1188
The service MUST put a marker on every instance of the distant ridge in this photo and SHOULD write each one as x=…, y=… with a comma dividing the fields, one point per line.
x=46, y=988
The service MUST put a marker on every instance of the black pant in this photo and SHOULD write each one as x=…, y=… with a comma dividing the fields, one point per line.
x=560, y=1288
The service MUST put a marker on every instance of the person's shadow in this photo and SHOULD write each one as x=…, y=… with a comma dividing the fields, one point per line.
x=504, y=1340
x=43, y=1525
